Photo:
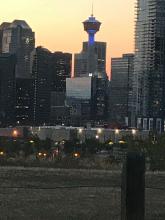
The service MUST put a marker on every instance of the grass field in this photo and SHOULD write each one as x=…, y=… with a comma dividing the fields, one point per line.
x=65, y=194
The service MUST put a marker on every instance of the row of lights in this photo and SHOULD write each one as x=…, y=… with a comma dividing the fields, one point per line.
x=99, y=131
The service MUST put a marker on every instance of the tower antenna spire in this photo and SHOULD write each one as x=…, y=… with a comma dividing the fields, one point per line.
x=92, y=9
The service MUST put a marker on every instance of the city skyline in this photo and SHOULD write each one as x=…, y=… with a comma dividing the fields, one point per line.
x=52, y=21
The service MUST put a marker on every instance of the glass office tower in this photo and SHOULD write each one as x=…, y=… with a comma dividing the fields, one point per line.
x=149, y=73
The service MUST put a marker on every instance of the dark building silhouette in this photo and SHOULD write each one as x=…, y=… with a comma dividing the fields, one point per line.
x=120, y=103
x=49, y=72
x=100, y=100
x=100, y=52
x=60, y=113
x=18, y=38
x=79, y=97
x=2, y=27
x=41, y=74
x=61, y=64
x=91, y=62
x=7, y=89
x=24, y=101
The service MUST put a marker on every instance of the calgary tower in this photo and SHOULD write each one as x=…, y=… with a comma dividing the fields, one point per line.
x=91, y=26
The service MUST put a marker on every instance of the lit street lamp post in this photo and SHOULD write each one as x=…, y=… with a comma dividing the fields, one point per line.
x=134, y=131
x=97, y=137
x=116, y=135
x=80, y=131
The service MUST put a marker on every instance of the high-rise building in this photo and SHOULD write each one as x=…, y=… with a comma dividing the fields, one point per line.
x=41, y=74
x=91, y=62
x=149, y=77
x=121, y=89
x=7, y=89
x=18, y=38
x=79, y=97
x=2, y=27
x=60, y=112
x=81, y=64
x=24, y=101
x=100, y=53
x=49, y=72
x=61, y=65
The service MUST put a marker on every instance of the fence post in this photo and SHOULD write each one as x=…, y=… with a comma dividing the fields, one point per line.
x=133, y=187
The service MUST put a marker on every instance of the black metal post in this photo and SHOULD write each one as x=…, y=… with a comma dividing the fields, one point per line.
x=133, y=187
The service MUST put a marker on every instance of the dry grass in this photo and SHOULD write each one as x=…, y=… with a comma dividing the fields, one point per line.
x=62, y=194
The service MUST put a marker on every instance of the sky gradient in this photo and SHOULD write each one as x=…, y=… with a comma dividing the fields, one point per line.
x=58, y=23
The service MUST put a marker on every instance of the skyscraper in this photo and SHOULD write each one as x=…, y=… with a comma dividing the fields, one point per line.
x=100, y=53
x=79, y=97
x=91, y=62
x=49, y=72
x=61, y=64
x=18, y=38
x=149, y=69
x=2, y=27
x=41, y=74
x=7, y=89
x=121, y=89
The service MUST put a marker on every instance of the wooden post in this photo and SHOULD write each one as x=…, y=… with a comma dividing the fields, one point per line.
x=133, y=187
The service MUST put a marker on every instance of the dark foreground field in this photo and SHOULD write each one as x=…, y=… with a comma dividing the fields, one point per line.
x=43, y=194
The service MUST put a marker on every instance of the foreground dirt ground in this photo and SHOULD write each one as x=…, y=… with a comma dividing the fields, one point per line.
x=43, y=194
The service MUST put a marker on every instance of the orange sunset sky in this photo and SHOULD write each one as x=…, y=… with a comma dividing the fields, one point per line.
x=58, y=23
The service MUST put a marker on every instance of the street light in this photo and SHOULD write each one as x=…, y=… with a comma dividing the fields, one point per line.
x=97, y=137
x=31, y=141
x=133, y=131
x=116, y=133
x=80, y=130
x=99, y=131
x=15, y=133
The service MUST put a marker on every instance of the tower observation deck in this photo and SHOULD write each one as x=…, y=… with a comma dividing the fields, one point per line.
x=91, y=26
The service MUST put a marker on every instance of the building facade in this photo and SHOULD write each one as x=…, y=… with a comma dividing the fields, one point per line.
x=149, y=69
x=7, y=89
x=79, y=98
x=41, y=74
x=18, y=39
x=120, y=102
x=92, y=60
x=24, y=101
x=3, y=26
x=61, y=65
x=100, y=53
